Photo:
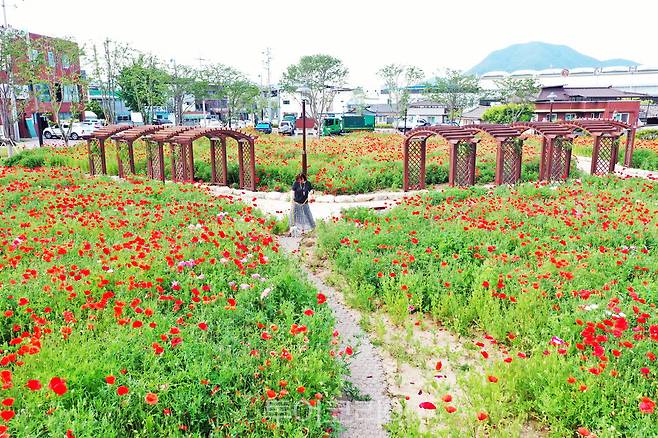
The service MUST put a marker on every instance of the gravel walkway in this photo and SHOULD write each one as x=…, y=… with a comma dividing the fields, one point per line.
x=584, y=165
x=361, y=419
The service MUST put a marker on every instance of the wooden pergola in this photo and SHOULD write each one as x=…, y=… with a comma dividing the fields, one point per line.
x=509, y=150
x=183, y=155
x=557, y=141
x=155, y=161
x=124, y=141
x=96, y=147
x=605, y=147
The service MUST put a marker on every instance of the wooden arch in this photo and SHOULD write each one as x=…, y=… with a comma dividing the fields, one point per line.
x=182, y=152
x=124, y=142
x=555, y=159
x=96, y=147
x=508, y=152
x=155, y=161
x=606, y=142
x=462, y=155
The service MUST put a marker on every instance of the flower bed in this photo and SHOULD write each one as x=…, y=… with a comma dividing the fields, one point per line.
x=561, y=281
x=150, y=310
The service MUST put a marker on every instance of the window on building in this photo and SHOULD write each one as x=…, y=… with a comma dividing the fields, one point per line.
x=569, y=116
x=596, y=115
x=70, y=93
x=51, y=59
x=34, y=54
x=66, y=63
x=42, y=92
x=551, y=117
x=621, y=117
x=286, y=102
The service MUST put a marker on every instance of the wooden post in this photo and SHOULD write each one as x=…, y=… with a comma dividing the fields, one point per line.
x=131, y=157
x=542, y=159
x=472, y=146
x=190, y=157
x=630, y=144
x=213, y=164
x=567, y=160
x=162, y=164
x=101, y=142
x=172, y=146
x=252, y=151
x=222, y=142
x=405, y=171
x=595, y=154
x=548, y=170
x=518, y=161
x=91, y=157
x=240, y=164
x=421, y=172
x=499, y=161
x=615, y=154
x=453, y=163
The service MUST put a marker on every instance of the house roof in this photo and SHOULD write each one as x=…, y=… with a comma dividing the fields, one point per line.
x=425, y=103
x=383, y=108
x=475, y=113
x=568, y=93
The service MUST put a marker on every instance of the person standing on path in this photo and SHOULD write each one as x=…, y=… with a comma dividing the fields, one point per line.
x=300, y=213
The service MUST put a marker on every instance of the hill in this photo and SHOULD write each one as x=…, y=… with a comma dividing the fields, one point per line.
x=538, y=56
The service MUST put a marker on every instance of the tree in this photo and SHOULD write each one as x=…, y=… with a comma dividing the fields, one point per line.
x=106, y=67
x=321, y=76
x=56, y=80
x=96, y=108
x=240, y=93
x=359, y=99
x=397, y=80
x=143, y=85
x=455, y=90
x=509, y=113
x=519, y=94
x=13, y=76
x=184, y=81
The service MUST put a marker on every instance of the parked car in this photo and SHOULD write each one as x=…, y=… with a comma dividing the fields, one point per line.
x=410, y=124
x=286, y=127
x=77, y=131
x=265, y=127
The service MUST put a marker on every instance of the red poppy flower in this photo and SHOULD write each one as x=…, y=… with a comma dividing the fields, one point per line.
x=271, y=393
x=9, y=402
x=33, y=385
x=447, y=398
x=151, y=398
x=58, y=386
x=492, y=379
x=122, y=390
x=110, y=379
x=427, y=405
x=438, y=366
x=450, y=409
x=203, y=326
x=482, y=416
x=647, y=405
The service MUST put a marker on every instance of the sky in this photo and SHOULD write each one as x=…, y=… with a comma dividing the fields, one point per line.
x=364, y=34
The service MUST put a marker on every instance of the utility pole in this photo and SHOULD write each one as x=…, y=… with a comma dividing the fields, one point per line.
x=4, y=12
x=268, y=63
x=203, y=101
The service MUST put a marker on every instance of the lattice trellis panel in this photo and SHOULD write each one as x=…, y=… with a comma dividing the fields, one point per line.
x=246, y=164
x=511, y=150
x=560, y=160
x=154, y=160
x=218, y=156
x=95, y=157
x=608, y=148
x=178, y=162
x=464, y=170
x=123, y=158
x=414, y=163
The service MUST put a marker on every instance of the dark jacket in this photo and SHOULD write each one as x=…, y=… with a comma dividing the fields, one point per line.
x=301, y=191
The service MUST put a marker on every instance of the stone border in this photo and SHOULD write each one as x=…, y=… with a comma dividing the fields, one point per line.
x=339, y=199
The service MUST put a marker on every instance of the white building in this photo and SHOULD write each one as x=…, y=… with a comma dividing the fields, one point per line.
x=636, y=79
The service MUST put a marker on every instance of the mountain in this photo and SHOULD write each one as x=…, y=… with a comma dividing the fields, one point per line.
x=538, y=56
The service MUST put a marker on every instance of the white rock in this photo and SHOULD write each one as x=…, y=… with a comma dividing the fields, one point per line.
x=365, y=197
x=273, y=195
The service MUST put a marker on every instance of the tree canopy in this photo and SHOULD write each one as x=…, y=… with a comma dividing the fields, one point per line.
x=143, y=85
x=456, y=90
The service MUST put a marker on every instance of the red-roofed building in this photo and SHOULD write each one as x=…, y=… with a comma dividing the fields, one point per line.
x=566, y=103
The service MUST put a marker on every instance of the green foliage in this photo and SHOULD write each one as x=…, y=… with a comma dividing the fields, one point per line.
x=509, y=113
x=321, y=75
x=95, y=107
x=143, y=85
x=647, y=134
x=521, y=91
x=456, y=90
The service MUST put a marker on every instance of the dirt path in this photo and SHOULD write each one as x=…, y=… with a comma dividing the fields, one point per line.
x=361, y=418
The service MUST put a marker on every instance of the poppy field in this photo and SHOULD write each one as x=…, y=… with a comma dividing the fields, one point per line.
x=554, y=285
x=143, y=309
x=347, y=164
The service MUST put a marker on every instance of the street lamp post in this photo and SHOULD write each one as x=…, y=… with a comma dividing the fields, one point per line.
x=303, y=91
x=551, y=97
